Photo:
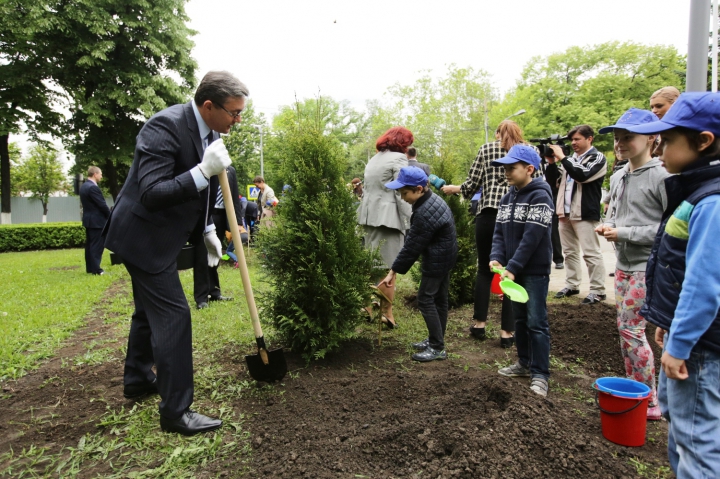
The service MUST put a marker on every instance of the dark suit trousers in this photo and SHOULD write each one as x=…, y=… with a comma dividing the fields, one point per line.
x=94, y=246
x=161, y=335
x=484, y=229
x=205, y=279
x=555, y=239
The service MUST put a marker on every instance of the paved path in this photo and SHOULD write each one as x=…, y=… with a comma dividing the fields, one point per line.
x=557, y=276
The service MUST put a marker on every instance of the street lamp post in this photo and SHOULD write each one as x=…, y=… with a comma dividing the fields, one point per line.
x=262, y=164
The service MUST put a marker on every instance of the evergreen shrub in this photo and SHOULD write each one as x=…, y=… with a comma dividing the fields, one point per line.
x=39, y=236
x=318, y=269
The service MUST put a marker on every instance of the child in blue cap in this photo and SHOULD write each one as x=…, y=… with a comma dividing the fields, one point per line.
x=432, y=236
x=637, y=201
x=683, y=283
x=522, y=244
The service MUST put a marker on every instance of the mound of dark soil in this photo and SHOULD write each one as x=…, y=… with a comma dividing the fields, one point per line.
x=587, y=335
x=410, y=424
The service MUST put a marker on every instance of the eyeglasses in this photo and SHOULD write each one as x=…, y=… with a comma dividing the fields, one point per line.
x=234, y=116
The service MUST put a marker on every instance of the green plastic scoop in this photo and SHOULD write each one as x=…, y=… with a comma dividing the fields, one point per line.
x=509, y=287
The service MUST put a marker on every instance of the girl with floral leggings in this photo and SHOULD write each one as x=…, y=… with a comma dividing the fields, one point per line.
x=637, y=201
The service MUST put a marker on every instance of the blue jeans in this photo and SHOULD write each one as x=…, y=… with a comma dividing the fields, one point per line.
x=532, y=331
x=230, y=249
x=692, y=407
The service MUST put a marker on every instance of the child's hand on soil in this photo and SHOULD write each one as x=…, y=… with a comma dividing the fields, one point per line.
x=674, y=368
x=611, y=234
x=389, y=280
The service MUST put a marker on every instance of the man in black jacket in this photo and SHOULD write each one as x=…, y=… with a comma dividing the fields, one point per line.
x=95, y=214
x=579, y=179
x=162, y=205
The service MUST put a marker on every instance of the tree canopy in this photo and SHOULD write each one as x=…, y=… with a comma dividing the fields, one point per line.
x=590, y=85
x=41, y=175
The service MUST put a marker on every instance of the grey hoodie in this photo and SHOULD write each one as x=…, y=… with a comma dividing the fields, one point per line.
x=637, y=202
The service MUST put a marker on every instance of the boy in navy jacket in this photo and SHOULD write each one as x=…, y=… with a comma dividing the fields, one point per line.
x=522, y=244
x=432, y=235
x=683, y=281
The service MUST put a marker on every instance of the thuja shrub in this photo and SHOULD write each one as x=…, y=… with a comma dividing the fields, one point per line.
x=39, y=236
x=318, y=269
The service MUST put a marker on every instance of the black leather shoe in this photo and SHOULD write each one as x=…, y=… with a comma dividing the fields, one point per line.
x=190, y=423
x=137, y=391
x=565, y=292
x=202, y=305
x=477, y=333
x=506, y=343
x=220, y=298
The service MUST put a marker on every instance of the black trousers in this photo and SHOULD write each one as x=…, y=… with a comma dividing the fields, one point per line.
x=555, y=239
x=161, y=335
x=432, y=301
x=94, y=246
x=484, y=229
x=205, y=279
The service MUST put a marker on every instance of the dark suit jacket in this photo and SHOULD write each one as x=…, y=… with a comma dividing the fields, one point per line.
x=159, y=206
x=213, y=192
x=95, y=209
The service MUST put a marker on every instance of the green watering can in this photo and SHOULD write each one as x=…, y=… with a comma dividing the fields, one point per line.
x=509, y=287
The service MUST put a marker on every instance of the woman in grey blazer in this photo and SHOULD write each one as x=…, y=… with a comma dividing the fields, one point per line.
x=383, y=215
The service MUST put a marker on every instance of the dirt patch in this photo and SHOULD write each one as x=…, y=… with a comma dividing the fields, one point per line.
x=58, y=404
x=587, y=335
x=363, y=413
x=63, y=268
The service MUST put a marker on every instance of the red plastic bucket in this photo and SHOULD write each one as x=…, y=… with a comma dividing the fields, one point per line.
x=623, y=407
x=495, y=285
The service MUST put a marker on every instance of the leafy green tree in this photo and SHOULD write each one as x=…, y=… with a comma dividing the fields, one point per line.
x=592, y=85
x=41, y=175
x=25, y=98
x=318, y=270
x=117, y=59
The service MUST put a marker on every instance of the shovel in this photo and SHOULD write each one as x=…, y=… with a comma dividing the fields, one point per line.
x=266, y=365
x=509, y=287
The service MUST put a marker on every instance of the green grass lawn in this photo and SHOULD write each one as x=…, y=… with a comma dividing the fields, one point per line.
x=45, y=296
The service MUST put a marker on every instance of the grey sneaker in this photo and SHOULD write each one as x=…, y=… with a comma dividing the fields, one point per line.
x=429, y=354
x=422, y=345
x=539, y=386
x=593, y=298
x=515, y=371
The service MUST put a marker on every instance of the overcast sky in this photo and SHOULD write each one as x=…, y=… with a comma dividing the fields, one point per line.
x=354, y=50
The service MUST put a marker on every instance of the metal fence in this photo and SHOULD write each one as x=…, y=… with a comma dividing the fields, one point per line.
x=60, y=209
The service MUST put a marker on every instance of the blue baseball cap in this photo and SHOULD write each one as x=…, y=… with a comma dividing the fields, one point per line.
x=699, y=111
x=629, y=119
x=408, y=176
x=522, y=153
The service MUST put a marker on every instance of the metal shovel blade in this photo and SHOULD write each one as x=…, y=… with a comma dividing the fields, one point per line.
x=274, y=370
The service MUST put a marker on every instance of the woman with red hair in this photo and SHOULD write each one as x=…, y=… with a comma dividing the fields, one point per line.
x=383, y=215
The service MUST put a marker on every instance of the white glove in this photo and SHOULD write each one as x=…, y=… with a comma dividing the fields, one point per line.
x=215, y=159
x=214, y=248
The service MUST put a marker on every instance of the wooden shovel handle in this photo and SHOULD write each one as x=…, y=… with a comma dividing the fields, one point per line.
x=232, y=222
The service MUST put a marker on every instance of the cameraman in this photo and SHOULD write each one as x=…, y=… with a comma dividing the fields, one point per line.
x=579, y=178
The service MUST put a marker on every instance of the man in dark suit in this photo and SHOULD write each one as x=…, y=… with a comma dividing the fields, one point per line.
x=162, y=205
x=205, y=278
x=95, y=214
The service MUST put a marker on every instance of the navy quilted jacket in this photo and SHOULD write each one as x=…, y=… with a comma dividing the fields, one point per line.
x=432, y=235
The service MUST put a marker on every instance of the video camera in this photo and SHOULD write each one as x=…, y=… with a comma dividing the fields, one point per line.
x=556, y=139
